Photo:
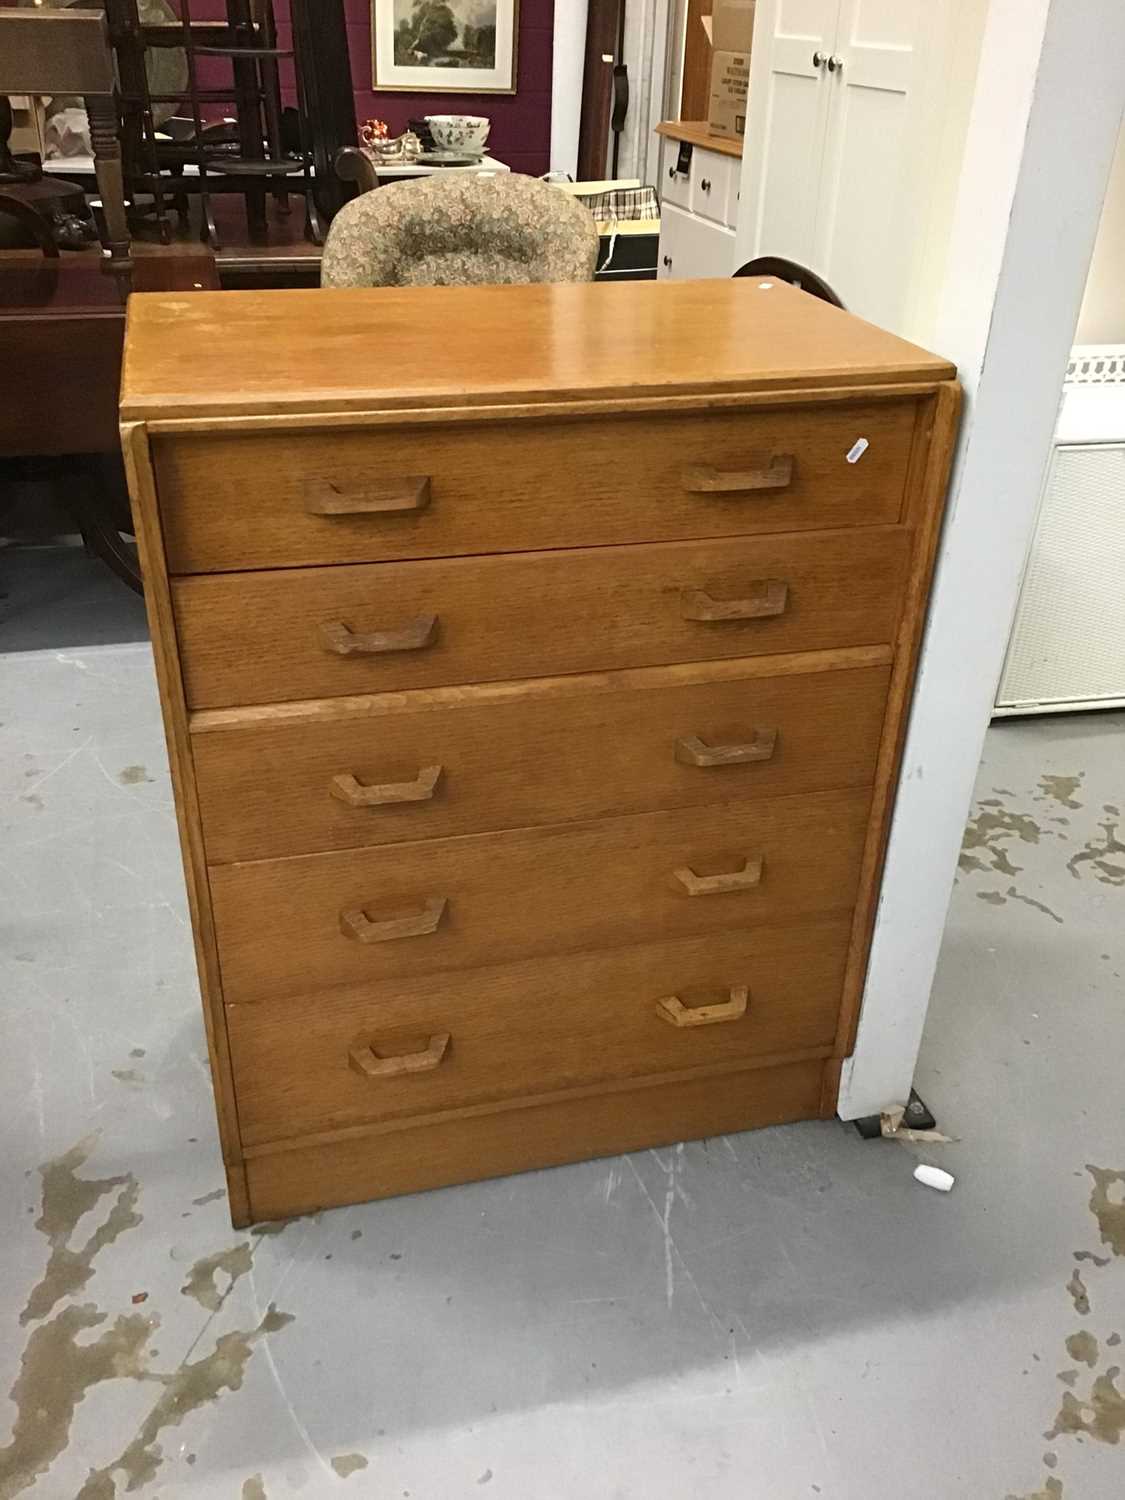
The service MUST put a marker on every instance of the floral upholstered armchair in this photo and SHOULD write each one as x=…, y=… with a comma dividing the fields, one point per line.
x=460, y=231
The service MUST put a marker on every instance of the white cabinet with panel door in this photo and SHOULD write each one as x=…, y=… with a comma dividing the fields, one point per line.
x=691, y=247
x=852, y=104
x=698, y=212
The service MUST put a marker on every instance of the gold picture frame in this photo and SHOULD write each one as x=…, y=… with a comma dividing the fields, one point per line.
x=390, y=75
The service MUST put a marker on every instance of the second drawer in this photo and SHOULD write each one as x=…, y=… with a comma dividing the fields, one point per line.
x=287, y=927
x=325, y=632
x=469, y=760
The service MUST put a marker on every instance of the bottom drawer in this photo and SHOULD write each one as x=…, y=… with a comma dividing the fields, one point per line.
x=360, y=1056
x=437, y=1153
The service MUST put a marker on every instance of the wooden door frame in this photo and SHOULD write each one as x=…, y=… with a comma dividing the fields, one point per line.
x=604, y=19
x=695, y=73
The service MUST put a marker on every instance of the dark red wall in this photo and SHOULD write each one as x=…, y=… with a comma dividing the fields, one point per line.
x=521, y=122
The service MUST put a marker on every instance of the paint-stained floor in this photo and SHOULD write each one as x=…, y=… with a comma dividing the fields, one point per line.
x=767, y=1316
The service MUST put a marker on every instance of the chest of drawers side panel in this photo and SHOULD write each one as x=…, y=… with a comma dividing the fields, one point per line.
x=927, y=482
x=158, y=603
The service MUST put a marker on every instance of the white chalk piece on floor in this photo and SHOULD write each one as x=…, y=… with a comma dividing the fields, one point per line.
x=934, y=1177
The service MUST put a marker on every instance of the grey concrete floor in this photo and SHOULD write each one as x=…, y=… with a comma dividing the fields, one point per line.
x=772, y=1315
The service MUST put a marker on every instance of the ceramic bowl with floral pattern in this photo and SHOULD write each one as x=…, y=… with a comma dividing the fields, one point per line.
x=466, y=133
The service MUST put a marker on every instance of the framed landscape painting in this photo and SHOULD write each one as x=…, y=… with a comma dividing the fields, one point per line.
x=444, y=46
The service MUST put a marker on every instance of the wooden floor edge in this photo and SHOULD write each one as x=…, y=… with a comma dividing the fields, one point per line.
x=522, y=1102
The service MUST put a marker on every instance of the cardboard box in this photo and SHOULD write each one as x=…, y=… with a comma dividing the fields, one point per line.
x=732, y=25
x=730, y=78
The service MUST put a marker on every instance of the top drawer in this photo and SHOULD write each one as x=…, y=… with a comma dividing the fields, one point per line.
x=240, y=501
x=675, y=186
x=714, y=186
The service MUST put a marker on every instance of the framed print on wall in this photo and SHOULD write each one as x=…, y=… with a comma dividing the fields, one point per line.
x=444, y=46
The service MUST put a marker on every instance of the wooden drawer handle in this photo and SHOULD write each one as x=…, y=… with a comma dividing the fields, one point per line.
x=691, y=751
x=343, y=641
x=718, y=885
x=774, y=473
x=357, y=924
x=770, y=597
x=676, y=1013
x=386, y=497
x=355, y=794
x=364, y=1059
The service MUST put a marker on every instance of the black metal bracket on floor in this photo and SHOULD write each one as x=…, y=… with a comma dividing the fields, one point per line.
x=915, y=1117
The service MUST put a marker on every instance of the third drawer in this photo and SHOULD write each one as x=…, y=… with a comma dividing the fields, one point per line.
x=422, y=765
x=290, y=926
x=327, y=632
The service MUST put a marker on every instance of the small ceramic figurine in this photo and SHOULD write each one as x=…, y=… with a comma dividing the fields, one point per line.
x=373, y=132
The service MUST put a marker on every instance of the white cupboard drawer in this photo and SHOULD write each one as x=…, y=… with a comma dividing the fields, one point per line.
x=675, y=187
x=692, y=248
x=713, y=181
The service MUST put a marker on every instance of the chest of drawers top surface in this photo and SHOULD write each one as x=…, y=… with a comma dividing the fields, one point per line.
x=226, y=354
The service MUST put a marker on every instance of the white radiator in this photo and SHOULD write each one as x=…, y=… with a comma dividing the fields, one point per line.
x=1067, y=649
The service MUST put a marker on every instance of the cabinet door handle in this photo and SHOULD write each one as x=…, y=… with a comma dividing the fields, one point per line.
x=721, y=885
x=770, y=597
x=819, y=59
x=691, y=751
x=774, y=473
x=357, y=924
x=705, y=184
x=364, y=1059
x=385, y=497
x=835, y=64
x=348, y=789
x=342, y=640
x=676, y=1013
x=667, y=261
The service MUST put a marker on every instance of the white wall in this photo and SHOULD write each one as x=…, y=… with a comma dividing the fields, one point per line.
x=1041, y=137
x=567, y=64
x=953, y=108
x=647, y=28
x=647, y=34
x=1102, y=319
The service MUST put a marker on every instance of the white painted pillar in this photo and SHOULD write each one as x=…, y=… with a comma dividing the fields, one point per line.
x=1048, y=103
x=567, y=64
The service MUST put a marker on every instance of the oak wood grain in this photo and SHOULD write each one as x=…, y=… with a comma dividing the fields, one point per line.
x=434, y=1155
x=510, y=896
x=535, y=681
x=146, y=521
x=578, y=684
x=256, y=501
x=386, y=347
x=698, y=132
x=269, y=790
x=255, y=637
x=548, y=1024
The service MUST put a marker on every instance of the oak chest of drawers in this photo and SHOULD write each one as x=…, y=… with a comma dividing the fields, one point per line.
x=534, y=663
